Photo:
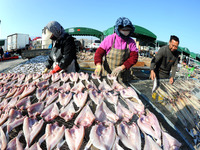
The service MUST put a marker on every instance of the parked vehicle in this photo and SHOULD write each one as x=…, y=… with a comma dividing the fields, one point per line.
x=17, y=42
x=95, y=44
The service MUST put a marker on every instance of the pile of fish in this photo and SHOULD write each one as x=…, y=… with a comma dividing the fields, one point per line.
x=85, y=56
x=113, y=115
x=30, y=66
x=182, y=99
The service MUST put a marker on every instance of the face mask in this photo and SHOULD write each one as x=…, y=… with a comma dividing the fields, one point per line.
x=53, y=38
x=125, y=33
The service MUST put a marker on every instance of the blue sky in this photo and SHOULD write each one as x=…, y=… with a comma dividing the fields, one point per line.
x=163, y=18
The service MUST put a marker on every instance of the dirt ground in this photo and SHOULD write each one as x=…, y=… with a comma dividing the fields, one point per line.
x=6, y=64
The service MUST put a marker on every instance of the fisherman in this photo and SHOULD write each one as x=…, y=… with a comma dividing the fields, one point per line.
x=120, y=51
x=63, y=53
x=166, y=60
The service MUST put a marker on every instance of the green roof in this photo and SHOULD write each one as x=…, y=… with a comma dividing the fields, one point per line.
x=161, y=43
x=82, y=31
x=139, y=32
x=185, y=50
x=193, y=55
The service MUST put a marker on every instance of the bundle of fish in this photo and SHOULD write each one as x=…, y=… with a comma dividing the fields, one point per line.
x=36, y=101
x=182, y=100
x=31, y=66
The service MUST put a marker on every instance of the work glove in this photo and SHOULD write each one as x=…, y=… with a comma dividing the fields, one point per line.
x=56, y=69
x=45, y=71
x=116, y=71
x=98, y=70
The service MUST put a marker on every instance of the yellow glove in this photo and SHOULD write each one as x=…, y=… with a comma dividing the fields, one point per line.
x=97, y=70
x=45, y=71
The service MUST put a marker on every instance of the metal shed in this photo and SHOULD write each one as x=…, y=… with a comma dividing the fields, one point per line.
x=83, y=31
x=140, y=32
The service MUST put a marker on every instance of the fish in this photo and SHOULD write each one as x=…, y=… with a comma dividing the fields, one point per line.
x=31, y=128
x=154, y=85
x=78, y=87
x=150, y=144
x=103, y=86
x=55, y=77
x=24, y=103
x=74, y=76
x=123, y=113
x=97, y=97
x=64, y=77
x=128, y=134
x=68, y=112
x=40, y=94
x=15, y=143
x=102, y=137
x=113, y=99
x=116, y=145
x=35, y=109
x=74, y=137
x=53, y=134
x=64, y=98
x=128, y=93
x=27, y=91
x=3, y=140
x=80, y=99
x=83, y=76
x=104, y=114
x=85, y=117
x=145, y=124
x=50, y=112
x=170, y=142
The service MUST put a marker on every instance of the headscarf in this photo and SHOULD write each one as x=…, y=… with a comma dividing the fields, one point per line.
x=57, y=30
x=123, y=22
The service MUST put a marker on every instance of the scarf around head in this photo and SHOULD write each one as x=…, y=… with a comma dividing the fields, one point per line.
x=57, y=30
x=123, y=21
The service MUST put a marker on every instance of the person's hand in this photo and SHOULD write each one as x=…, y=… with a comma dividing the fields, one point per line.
x=56, y=69
x=153, y=75
x=98, y=70
x=116, y=71
x=171, y=80
x=45, y=71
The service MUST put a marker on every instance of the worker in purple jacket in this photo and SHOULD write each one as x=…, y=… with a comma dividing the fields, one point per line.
x=120, y=51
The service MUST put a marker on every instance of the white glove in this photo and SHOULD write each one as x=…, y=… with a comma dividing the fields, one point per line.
x=116, y=71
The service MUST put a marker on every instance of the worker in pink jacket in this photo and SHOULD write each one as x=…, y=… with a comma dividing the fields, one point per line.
x=120, y=51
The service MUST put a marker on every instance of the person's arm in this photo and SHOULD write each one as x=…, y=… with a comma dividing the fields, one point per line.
x=100, y=52
x=131, y=60
x=174, y=68
x=156, y=59
x=69, y=52
x=49, y=62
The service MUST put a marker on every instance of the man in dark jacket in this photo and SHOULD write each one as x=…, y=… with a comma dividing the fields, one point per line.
x=166, y=60
x=63, y=53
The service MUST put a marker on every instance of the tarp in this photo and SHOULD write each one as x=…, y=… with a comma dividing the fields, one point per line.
x=161, y=43
x=140, y=32
x=2, y=42
x=185, y=50
x=193, y=55
x=82, y=31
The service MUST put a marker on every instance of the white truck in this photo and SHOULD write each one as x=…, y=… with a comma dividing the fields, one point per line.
x=17, y=42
